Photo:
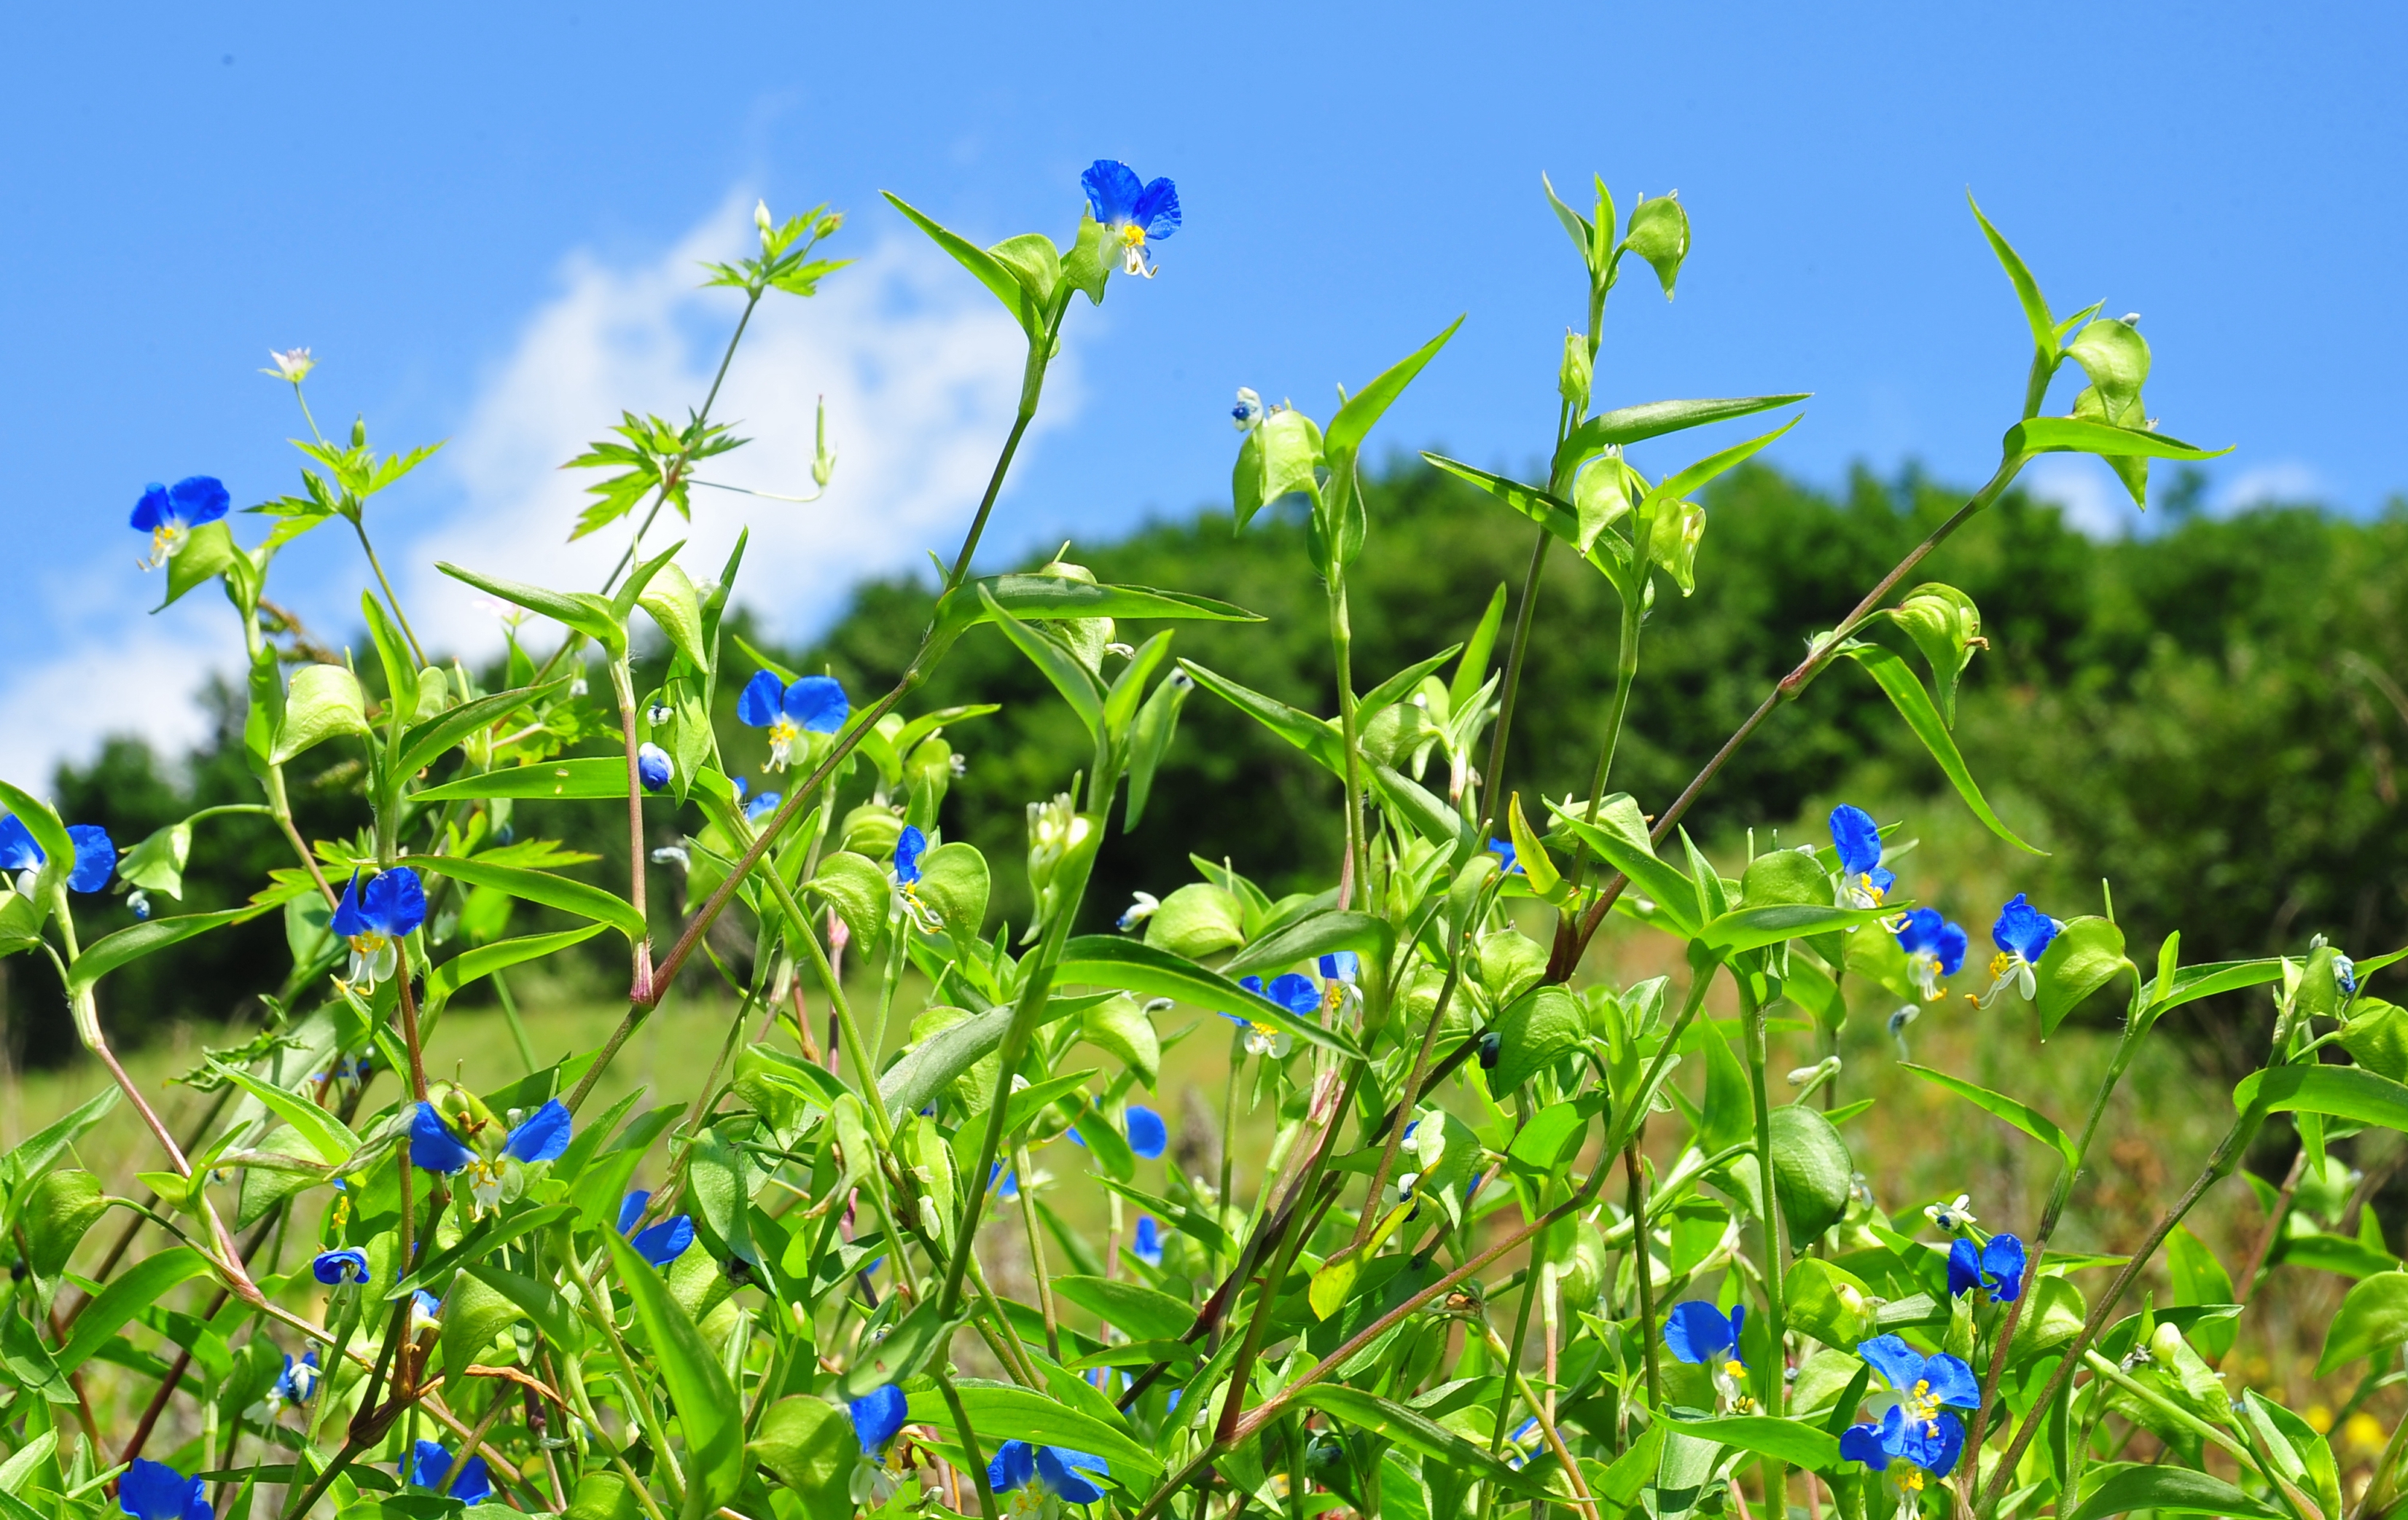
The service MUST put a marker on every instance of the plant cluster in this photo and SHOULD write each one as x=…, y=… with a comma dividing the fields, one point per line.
x=1493, y=1257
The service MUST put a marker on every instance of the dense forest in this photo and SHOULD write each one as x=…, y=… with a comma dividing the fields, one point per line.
x=2218, y=704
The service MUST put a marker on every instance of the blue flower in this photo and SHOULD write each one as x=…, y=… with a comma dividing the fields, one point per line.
x=876, y=1419
x=1521, y=1444
x=1923, y=1386
x=910, y=846
x=375, y=920
x=1247, y=414
x=1697, y=1333
x=1863, y=884
x=2344, y=975
x=336, y=1267
x=661, y=1243
x=1148, y=1136
x=425, y=1466
x=1911, y=1451
x=170, y=513
x=1935, y=948
x=425, y=1312
x=96, y=853
x=1997, y=1267
x=1146, y=1245
x=1143, y=906
x=2022, y=935
x=1131, y=210
x=654, y=768
x=761, y=807
x=1049, y=1472
x=299, y=1381
x=813, y=705
x=1341, y=965
x=542, y=1136
x=154, y=1491
x=1339, y=970
x=1503, y=851
x=1289, y=990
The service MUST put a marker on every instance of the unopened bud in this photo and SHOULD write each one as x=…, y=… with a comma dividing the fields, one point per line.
x=1572, y=380
x=2131, y=319
x=761, y=217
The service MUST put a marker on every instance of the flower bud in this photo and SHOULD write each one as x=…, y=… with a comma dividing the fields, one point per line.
x=1572, y=380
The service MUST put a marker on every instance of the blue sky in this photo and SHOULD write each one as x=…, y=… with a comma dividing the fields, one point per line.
x=484, y=220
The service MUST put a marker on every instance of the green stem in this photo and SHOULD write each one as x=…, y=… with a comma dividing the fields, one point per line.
x=1770, y=1383
x=417, y=650
x=1341, y=644
x=1493, y=780
x=1643, y=1266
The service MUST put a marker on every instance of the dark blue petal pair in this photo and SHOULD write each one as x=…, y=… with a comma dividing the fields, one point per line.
x=392, y=904
x=96, y=853
x=661, y=1243
x=910, y=846
x=654, y=768
x=1148, y=1136
x=876, y=1419
x=1058, y=1471
x=1931, y=1445
x=1699, y=1334
x=1147, y=1242
x=170, y=513
x=1858, y=839
x=1936, y=1379
x=336, y=1267
x=150, y=1490
x=2024, y=930
x=542, y=1136
x=425, y=1468
x=1995, y=1267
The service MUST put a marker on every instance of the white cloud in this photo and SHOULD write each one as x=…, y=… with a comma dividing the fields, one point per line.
x=115, y=672
x=2093, y=499
x=920, y=368
x=2284, y=480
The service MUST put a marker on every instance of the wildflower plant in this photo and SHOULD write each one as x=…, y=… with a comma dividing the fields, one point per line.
x=1493, y=1257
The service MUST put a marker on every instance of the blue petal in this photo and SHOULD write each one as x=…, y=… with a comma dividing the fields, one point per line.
x=1157, y=209
x=1857, y=839
x=196, y=499
x=1252, y=984
x=1112, y=191
x=1059, y=1465
x=819, y=704
x=762, y=806
x=1899, y=1363
x=18, y=851
x=150, y=514
x=1148, y=1243
x=1951, y=1381
x=654, y=768
x=1148, y=1136
x=1341, y=965
x=1014, y=1466
x=333, y=1267
x=665, y=1242
x=2022, y=929
x=154, y=1491
x=1504, y=850
x=2002, y=1263
x=1951, y=949
x=1880, y=880
x=425, y=1466
x=631, y=1209
x=877, y=1416
x=758, y=707
x=348, y=919
x=1921, y=931
x=1964, y=1268
x=1863, y=1443
x=1297, y=992
x=1696, y=1332
x=395, y=903
x=95, y=857
x=542, y=1136
x=1934, y=1447
x=432, y=1144
x=908, y=846
x=473, y=1485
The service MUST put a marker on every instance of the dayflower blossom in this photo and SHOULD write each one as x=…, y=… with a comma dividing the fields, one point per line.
x=1697, y=1333
x=1289, y=990
x=95, y=854
x=1131, y=210
x=425, y=1314
x=298, y=1381
x=170, y=513
x=1863, y=884
x=877, y=1420
x=1248, y=413
x=337, y=1267
x=1148, y=1136
x=1146, y=1243
x=2022, y=935
x=1922, y=1385
x=1041, y=1479
x=150, y=1490
x=813, y=704
x=1952, y=1217
x=654, y=768
x=762, y=806
x=661, y=1243
x=2344, y=974
x=1141, y=907
x=910, y=846
x=1339, y=970
x=377, y=920
x=1917, y=1438
x=542, y=1136
x=1997, y=1267
x=1935, y=950
x=1506, y=862
x=425, y=1466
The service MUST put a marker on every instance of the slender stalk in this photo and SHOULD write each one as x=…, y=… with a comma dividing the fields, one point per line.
x=417, y=650
x=1413, y=1092
x=622, y=682
x=1643, y=1266
x=1341, y=644
x=1493, y=780
x=977, y=1462
x=1772, y=1384
x=1037, y=1256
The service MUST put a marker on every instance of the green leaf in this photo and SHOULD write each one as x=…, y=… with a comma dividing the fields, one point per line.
x=327, y=1135
x=1104, y=960
x=157, y=863
x=1418, y=1432
x=2193, y=982
x=2035, y=307
x=1000, y=1412
x=2076, y=435
x=707, y=1404
x=428, y=742
x=605, y=1495
x=2123, y=1487
x=134, y=1290
x=487, y=1236
x=1044, y=597
x=393, y=653
x=1074, y=681
x=1653, y=419
x=1749, y=929
x=1279, y=457
x=921, y=1073
x=808, y=1444
x=324, y=700
x=583, y=610
x=110, y=952
x=2200, y=1279
x=1471, y=671
x=1355, y=420
x=1312, y=936
x=540, y=887
x=1998, y=1106
x=2344, y=1092
x=953, y=880
x=2081, y=960
x=1540, y=1027
x=1810, y=1172
x=1311, y=735
x=1147, y=1313
x=54, y=1214
x=1543, y=1143
x=474, y=1312
x=859, y=890
x=1549, y=511
x=1118, y=1025
x=992, y=272
x=35, y=1153
x=209, y=551
x=1620, y=836
x=2374, y=1319
x=1793, y=1441
x=483, y=961
x=1906, y=693
x=1156, y=721
x=677, y=607
x=596, y=777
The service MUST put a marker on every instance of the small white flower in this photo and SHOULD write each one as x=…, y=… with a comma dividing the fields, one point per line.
x=1951, y=1217
x=292, y=365
x=1141, y=907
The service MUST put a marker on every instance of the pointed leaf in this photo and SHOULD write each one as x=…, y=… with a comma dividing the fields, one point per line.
x=1906, y=693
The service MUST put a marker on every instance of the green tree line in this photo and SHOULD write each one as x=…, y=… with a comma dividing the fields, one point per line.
x=2210, y=718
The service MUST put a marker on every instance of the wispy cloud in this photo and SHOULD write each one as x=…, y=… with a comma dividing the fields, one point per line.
x=919, y=367
x=2285, y=480
x=2094, y=501
x=114, y=671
